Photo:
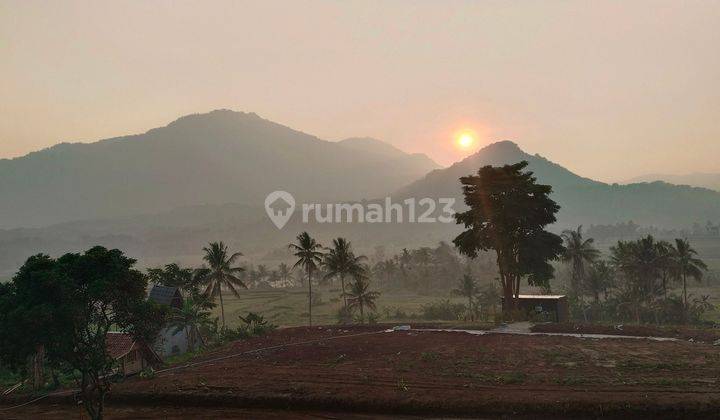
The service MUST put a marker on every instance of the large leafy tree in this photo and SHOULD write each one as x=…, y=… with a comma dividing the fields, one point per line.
x=66, y=306
x=579, y=253
x=508, y=213
x=309, y=254
x=686, y=263
x=340, y=261
x=222, y=273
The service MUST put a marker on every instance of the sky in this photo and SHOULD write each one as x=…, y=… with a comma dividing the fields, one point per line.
x=608, y=89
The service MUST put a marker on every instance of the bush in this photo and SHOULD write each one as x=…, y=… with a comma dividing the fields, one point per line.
x=443, y=310
x=254, y=325
x=344, y=316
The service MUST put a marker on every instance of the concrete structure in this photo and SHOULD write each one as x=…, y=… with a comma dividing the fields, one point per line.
x=551, y=307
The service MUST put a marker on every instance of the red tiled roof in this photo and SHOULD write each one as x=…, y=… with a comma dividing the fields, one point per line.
x=118, y=344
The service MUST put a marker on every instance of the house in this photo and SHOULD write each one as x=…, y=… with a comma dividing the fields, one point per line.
x=169, y=344
x=550, y=307
x=130, y=355
x=166, y=295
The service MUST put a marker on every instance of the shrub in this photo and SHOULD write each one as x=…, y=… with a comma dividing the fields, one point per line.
x=443, y=310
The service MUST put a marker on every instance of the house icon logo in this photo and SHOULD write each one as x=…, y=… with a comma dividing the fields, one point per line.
x=279, y=206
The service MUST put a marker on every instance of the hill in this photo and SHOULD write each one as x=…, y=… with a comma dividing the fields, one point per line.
x=202, y=159
x=582, y=200
x=703, y=180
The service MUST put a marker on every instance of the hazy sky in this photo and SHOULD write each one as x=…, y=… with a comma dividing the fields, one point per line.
x=610, y=89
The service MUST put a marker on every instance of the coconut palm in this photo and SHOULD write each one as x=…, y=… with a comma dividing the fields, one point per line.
x=468, y=288
x=686, y=264
x=307, y=250
x=285, y=274
x=599, y=279
x=221, y=273
x=190, y=318
x=578, y=252
x=360, y=296
x=340, y=261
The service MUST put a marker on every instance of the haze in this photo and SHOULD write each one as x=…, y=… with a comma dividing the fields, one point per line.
x=610, y=90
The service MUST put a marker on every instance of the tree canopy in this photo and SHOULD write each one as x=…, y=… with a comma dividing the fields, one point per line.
x=66, y=307
x=508, y=212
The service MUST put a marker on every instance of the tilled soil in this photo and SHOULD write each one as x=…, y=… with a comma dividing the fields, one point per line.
x=362, y=370
x=679, y=332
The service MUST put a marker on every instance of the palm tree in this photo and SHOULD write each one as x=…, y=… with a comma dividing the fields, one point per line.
x=307, y=250
x=578, y=252
x=285, y=274
x=687, y=264
x=190, y=318
x=340, y=261
x=666, y=252
x=360, y=296
x=468, y=287
x=221, y=273
x=599, y=279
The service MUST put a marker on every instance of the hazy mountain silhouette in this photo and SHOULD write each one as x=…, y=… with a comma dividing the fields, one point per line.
x=583, y=200
x=702, y=180
x=179, y=234
x=214, y=158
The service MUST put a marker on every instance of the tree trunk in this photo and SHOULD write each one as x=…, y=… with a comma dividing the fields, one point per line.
x=342, y=281
x=222, y=308
x=309, y=297
x=685, y=301
x=362, y=313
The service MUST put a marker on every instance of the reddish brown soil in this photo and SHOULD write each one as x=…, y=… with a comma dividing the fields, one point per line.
x=680, y=332
x=439, y=373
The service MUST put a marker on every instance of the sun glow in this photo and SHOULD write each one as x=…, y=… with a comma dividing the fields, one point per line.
x=465, y=140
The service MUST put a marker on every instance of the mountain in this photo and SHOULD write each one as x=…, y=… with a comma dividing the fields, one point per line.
x=582, y=200
x=703, y=180
x=201, y=159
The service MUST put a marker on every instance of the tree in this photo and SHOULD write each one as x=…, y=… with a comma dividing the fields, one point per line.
x=687, y=264
x=285, y=274
x=599, y=279
x=508, y=213
x=468, y=288
x=190, y=318
x=307, y=250
x=360, y=296
x=221, y=273
x=340, y=261
x=578, y=252
x=640, y=265
x=68, y=305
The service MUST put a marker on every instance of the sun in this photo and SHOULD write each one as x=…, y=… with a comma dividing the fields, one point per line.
x=465, y=140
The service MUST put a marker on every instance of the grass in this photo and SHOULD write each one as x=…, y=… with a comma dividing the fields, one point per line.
x=288, y=307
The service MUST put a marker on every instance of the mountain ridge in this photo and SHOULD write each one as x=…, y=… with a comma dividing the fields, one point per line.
x=182, y=163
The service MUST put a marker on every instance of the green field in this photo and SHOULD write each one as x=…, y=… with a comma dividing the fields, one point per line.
x=288, y=307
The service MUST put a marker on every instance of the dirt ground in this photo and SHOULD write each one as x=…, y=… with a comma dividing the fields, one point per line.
x=362, y=370
x=684, y=333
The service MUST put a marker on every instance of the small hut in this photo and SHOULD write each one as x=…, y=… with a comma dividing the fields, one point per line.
x=131, y=356
x=551, y=307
